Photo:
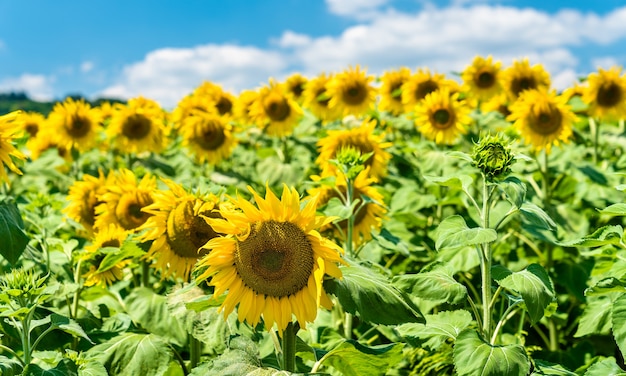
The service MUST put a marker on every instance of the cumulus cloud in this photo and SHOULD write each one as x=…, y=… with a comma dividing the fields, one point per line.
x=167, y=75
x=86, y=66
x=36, y=86
x=355, y=8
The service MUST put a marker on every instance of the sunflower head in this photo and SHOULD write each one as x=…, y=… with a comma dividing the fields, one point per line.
x=351, y=91
x=481, y=79
x=317, y=99
x=295, y=85
x=276, y=111
x=543, y=118
x=32, y=122
x=272, y=260
x=391, y=90
x=521, y=76
x=138, y=126
x=209, y=136
x=493, y=157
x=83, y=198
x=419, y=85
x=606, y=94
x=75, y=123
x=10, y=127
x=106, y=242
x=442, y=117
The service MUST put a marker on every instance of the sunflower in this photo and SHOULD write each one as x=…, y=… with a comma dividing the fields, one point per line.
x=209, y=136
x=316, y=99
x=521, y=76
x=83, y=198
x=46, y=140
x=295, y=85
x=272, y=260
x=361, y=138
x=218, y=99
x=190, y=105
x=275, y=111
x=369, y=215
x=32, y=122
x=10, y=127
x=138, y=126
x=543, y=118
x=606, y=94
x=481, y=80
x=242, y=107
x=178, y=229
x=124, y=199
x=75, y=124
x=351, y=92
x=442, y=117
x=420, y=84
x=391, y=90
x=98, y=273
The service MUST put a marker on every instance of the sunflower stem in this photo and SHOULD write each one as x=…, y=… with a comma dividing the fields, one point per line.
x=595, y=128
x=485, y=263
x=195, y=351
x=350, y=229
x=289, y=348
x=347, y=325
x=145, y=273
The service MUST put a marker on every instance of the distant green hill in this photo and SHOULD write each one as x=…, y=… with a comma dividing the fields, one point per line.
x=20, y=101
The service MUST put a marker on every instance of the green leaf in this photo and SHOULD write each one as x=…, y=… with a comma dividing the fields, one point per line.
x=534, y=286
x=456, y=181
x=619, y=322
x=150, y=310
x=596, y=317
x=615, y=209
x=453, y=233
x=9, y=367
x=438, y=327
x=132, y=354
x=474, y=356
x=68, y=326
x=128, y=250
x=372, y=296
x=610, y=234
x=336, y=208
x=543, y=368
x=64, y=368
x=437, y=285
x=351, y=358
x=514, y=189
x=536, y=217
x=14, y=240
x=606, y=367
x=606, y=286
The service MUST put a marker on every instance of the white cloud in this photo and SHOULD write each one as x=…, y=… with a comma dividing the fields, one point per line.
x=37, y=86
x=86, y=66
x=604, y=62
x=355, y=8
x=167, y=75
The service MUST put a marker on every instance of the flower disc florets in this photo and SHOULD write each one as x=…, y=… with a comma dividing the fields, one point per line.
x=493, y=157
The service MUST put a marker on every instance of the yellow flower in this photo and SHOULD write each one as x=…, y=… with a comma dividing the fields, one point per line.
x=124, y=199
x=242, y=107
x=83, y=198
x=272, y=260
x=218, y=99
x=209, y=136
x=420, y=84
x=295, y=85
x=75, y=124
x=32, y=122
x=351, y=92
x=391, y=90
x=521, y=76
x=361, y=138
x=481, y=80
x=275, y=111
x=46, y=140
x=442, y=117
x=367, y=218
x=316, y=99
x=10, y=127
x=606, y=94
x=178, y=229
x=542, y=118
x=99, y=274
x=138, y=126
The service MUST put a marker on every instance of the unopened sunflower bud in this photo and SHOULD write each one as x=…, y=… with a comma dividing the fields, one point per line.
x=350, y=161
x=493, y=157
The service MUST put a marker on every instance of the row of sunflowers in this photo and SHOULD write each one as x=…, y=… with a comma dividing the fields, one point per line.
x=437, y=221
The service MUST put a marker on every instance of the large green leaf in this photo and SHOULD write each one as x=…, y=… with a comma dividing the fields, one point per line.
x=129, y=249
x=437, y=285
x=9, y=367
x=456, y=181
x=606, y=286
x=150, y=310
x=68, y=326
x=439, y=327
x=514, y=189
x=615, y=209
x=605, y=367
x=14, y=240
x=619, y=322
x=64, y=368
x=132, y=354
x=596, y=317
x=534, y=286
x=534, y=216
x=351, y=358
x=365, y=292
x=453, y=233
x=474, y=356
x=610, y=234
x=543, y=368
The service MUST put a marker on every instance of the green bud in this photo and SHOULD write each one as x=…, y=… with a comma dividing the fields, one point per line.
x=350, y=161
x=493, y=157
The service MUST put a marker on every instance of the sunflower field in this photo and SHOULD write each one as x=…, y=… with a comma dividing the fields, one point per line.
x=410, y=223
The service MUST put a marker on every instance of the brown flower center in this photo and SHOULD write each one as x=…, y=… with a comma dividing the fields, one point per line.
x=485, y=79
x=276, y=259
x=546, y=122
x=211, y=138
x=224, y=105
x=425, y=88
x=520, y=84
x=136, y=127
x=355, y=94
x=128, y=211
x=277, y=108
x=442, y=118
x=609, y=95
x=79, y=127
x=187, y=232
x=32, y=129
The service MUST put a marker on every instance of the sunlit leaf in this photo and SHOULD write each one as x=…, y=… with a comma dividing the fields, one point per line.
x=64, y=368
x=514, y=189
x=14, y=240
x=534, y=286
x=438, y=328
x=457, y=181
x=543, y=368
x=354, y=359
x=606, y=367
x=453, y=233
x=619, y=322
x=615, y=209
x=610, y=234
x=596, y=317
x=437, y=285
x=536, y=217
x=475, y=356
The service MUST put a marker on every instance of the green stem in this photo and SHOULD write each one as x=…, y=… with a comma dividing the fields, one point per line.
x=595, y=129
x=195, y=351
x=145, y=273
x=2, y=347
x=554, y=342
x=350, y=229
x=505, y=317
x=180, y=361
x=347, y=325
x=485, y=264
x=289, y=348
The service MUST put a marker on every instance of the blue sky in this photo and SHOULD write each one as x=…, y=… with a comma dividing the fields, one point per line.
x=163, y=49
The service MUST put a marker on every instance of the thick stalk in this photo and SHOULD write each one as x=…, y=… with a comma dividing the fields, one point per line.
x=289, y=348
x=485, y=264
x=195, y=351
x=145, y=273
x=350, y=229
